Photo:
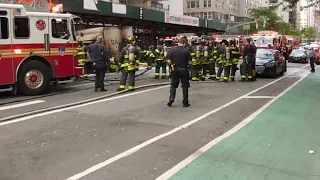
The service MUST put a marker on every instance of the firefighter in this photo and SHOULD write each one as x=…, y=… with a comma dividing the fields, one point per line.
x=160, y=62
x=205, y=59
x=196, y=62
x=213, y=49
x=82, y=56
x=150, y=57
x=248, y=60
x=129, y=60
x=235, y=55
x=221, y=60
x=190, y=48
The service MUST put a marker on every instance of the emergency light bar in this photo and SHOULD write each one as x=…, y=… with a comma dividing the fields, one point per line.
x=57, y=9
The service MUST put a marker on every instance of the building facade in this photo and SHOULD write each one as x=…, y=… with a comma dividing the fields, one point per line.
x=228, y=10
x=307, y=15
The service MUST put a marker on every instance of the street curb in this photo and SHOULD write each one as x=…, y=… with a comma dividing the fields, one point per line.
x=79, y=102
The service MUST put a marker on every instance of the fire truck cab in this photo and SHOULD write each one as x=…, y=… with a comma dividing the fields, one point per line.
x=36, y=48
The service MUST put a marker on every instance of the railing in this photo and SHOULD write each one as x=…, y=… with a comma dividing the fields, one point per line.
x=31, y=5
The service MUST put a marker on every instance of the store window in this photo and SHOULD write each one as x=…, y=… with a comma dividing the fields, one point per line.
x=207, y=15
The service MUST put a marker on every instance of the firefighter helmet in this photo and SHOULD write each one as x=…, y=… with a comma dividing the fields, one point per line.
x=130, y=39
x=160, y=41
x=151, y=47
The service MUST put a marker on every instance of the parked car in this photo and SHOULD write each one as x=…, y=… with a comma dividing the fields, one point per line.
x=270, y=63
x=299, y=55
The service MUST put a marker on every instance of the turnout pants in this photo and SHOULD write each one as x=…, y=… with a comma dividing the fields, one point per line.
x=226, y=73
x=195, y=72
x=161, y=64
x=246, y=68
x=124, y=76
x=205, y=68
x=150, y=62
x=220, y=69
x=212, y=70
x=234, y=69
x=99, y=79
x=180, y=74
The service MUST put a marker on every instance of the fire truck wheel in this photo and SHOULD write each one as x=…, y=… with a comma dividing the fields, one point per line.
x=33, y=78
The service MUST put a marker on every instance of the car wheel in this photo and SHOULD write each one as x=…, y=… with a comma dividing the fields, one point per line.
x=274, y=73
x=283, y=70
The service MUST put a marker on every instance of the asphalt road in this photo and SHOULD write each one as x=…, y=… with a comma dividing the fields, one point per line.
x=132, y=136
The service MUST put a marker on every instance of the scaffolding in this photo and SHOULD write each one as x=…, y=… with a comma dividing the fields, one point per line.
x=31, y=5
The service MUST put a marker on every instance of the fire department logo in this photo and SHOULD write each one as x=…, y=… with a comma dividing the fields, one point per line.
x=40, y=24
x=62, y=50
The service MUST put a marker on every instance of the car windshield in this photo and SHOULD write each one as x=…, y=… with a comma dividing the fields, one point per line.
x=264, y=41
x=298, y=52
x=263, y=53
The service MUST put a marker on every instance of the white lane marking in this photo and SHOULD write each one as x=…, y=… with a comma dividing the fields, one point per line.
x=206, y=147
x=77, y=106
x=150, y=141
x=20, y=105
x=259, y=97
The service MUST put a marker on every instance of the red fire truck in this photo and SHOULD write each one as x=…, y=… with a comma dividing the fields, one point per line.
x=267, y=39
x=36, y=48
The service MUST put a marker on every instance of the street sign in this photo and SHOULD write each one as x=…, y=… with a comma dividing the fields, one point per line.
x=246, y=27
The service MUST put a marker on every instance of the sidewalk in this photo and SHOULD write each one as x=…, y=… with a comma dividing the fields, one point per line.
x=273, y=146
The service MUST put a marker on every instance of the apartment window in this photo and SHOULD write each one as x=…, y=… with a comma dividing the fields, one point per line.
x=207, y=15
x=192, y=4
x=218, y=4
x=207, y=3
x=157, y=5
x=123, y=2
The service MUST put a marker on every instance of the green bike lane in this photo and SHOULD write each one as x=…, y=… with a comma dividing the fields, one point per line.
x=275, y=145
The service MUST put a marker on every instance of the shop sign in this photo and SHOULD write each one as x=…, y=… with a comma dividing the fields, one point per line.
x=181, y=20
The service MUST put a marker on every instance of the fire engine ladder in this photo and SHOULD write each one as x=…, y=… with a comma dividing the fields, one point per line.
x=31, y=5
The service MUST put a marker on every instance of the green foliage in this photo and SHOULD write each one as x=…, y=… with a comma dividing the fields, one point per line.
x=308, y=33
x=268, y=19
x=294, y=32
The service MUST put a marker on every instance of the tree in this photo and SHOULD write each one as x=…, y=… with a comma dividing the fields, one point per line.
x=294, y=32
x=308, y=33
x=266, y=17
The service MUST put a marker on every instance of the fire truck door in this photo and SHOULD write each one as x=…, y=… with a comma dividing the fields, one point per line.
x=6, y=52
x=61, y=47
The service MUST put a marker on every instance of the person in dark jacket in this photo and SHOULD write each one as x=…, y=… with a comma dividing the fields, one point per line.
x=101, y=57
x=179, y=60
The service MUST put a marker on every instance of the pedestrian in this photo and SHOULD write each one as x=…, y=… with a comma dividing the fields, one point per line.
x=101, y=60
x=313, y=55
x=179, y=60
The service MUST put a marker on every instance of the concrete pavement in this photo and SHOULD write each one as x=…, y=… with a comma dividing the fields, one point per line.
x=135, y=137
